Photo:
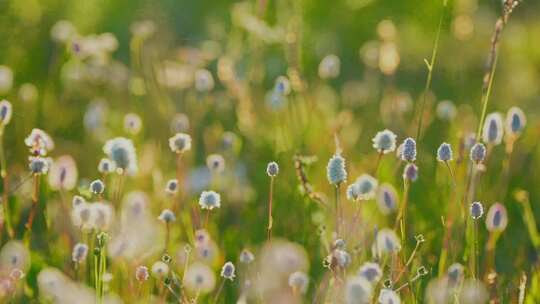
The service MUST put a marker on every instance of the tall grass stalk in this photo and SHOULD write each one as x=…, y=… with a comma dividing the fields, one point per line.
x=508, y=8
x=528, y=217
x=100, y=266
x=430, y=65
x=401, y=218
x=5, y=190
x=490, y=251
x=447, y=222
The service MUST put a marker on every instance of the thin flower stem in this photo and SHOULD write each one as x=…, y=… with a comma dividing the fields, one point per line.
x=35, y=202
x=401, y=218
x=337, y=209
x=5, y=190
x=430, y=66
x=178, y=175
x=409, y=261
x=530, y=222
x=218, y=293
x=270, y=219
x=357, y=216
x=451, y=172
x=490, y=250
x=485, y=97
x=508, y=8
x=474, y=253
x=377, y=163
x=207, y=218
x=167, y=237
x=120, y=187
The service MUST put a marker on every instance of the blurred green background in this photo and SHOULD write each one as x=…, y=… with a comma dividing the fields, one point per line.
x=362, y=100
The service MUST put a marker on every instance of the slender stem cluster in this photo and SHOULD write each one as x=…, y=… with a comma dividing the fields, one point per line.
x=270, y=199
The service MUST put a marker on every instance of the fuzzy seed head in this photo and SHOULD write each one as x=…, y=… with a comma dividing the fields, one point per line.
x=39, y=142
x=329, y=67
x=80, y=251
x=106, y=166
x=387, y=199
x=408, y=152
x=515, y=121
x=352, y=192
x=299, y=281
x=387, y=242
x=167, y=216
x=446, y=110
x=246, y=257
x=141, y=273
x=39, y=165
x=282, y=86
x=63, y=174
x=367, y=186
x=371, y=272
x=478, y=153
x=384, y=141
x=77, y=201
x=160, y=270
x=272, y=169
x=364, y=188
x=101, y=216
x=63, y=31
x=180, y=143
x=228, y=271
x=97, y=187
x=210, y=200
x=342, y=257
x=335, y=170
x=172, y=186
x=132, y=123
x=476, y=210
x=199, y=278
x=410, y=172
x=492, y=133
x=444, y=152
x=497, y=218
x=6, y=112
x=358, y=291
x=455, y=274
x=388, y=296
x=122, y=152
x=216, y=163
x=180, y=123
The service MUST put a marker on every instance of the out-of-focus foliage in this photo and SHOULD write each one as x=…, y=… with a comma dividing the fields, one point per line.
x=252, y=82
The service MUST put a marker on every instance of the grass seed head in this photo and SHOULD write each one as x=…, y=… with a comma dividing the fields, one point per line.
x=408, y=152
x=209, y=200
x=272, y=169
x=444, y=152
x=335, y=170
x=228, y=271
x=384, y=141
x=180, y=143
x=492, y=132
x=6, y=112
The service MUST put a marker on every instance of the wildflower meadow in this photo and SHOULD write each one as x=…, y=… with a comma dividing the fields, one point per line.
x=269, y=151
